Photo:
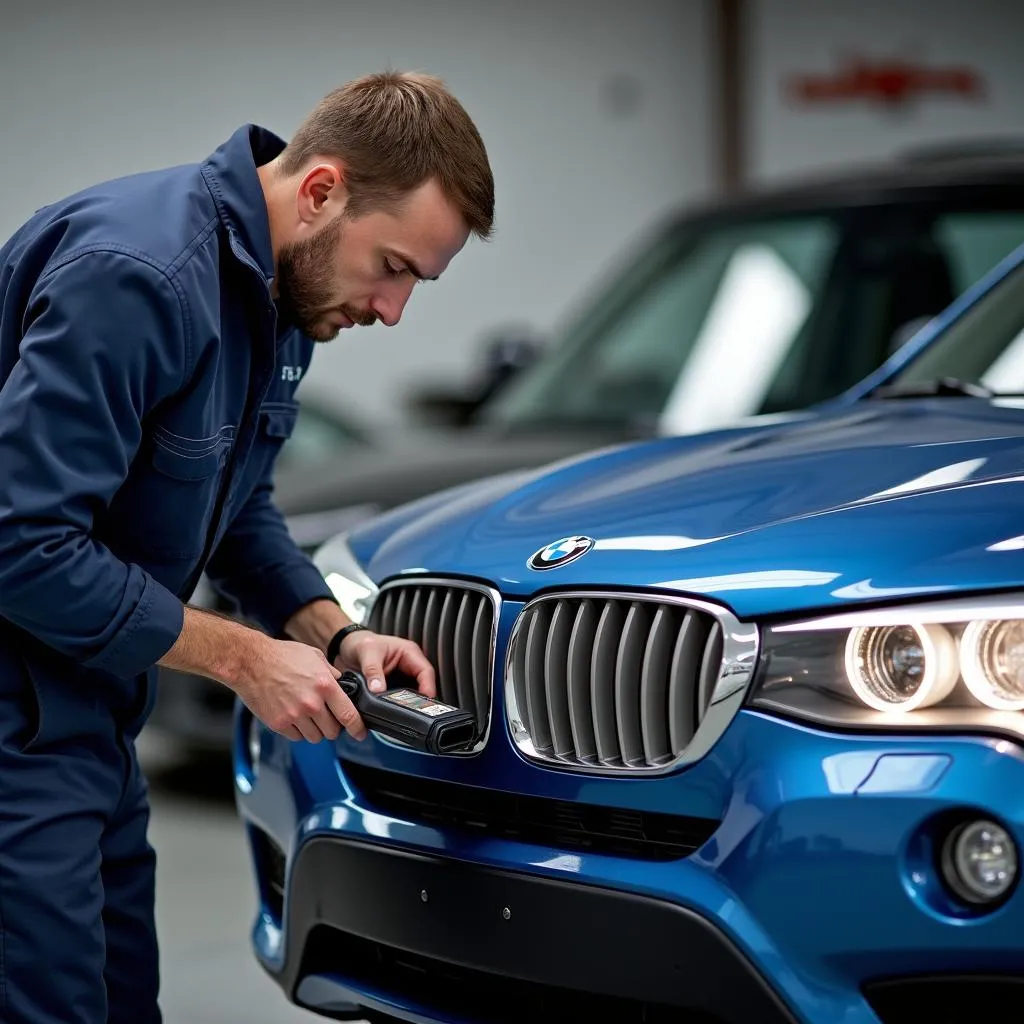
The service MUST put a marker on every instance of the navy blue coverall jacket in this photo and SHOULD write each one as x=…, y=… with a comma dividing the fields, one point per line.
x=146, y=386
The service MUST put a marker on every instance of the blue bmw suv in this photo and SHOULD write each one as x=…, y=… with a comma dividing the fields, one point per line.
x=749, y=726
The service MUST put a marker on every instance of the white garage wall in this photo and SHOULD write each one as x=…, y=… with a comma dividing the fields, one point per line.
x=801, y=37
x=92, y=90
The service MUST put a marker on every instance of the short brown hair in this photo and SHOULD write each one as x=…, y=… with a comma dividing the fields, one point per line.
x=396, y=130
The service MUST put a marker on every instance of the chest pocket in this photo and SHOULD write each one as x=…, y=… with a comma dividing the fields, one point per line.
x=277, y=421
x=167, y=502
x=183, y=458
x=276, y=424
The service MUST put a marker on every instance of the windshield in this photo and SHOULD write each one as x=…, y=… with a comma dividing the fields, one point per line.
x=985, y=346
x=730, y=318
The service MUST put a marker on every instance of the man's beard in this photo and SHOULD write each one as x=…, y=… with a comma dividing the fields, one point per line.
x=306, y=282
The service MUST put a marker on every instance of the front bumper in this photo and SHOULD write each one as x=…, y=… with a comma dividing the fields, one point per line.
x=815, y=899
x=420, y=930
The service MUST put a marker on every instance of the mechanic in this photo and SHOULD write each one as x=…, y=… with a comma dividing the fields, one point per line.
x=153, y=330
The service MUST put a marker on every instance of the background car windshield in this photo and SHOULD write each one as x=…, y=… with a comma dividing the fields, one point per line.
x=319, y=437
x=985, y=346
x=756, y=315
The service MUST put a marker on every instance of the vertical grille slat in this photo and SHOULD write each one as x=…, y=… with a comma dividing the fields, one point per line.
x=654, y=686
x=431, y=619
x=518, y=681
x=686, y=661
x=387, y=614
x=602, y=683
x=401, y=627
x=556, y=682
x=481, y=642
x=453, y=624
x=581, y=716
x=620, y=682
x=416, y=613
x=711, y=662
x=628, y=665
x=448, y=691
x=536, y=698
x=463, y=652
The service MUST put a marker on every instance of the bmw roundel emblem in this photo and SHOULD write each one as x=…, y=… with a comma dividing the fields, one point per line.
x=561, y=552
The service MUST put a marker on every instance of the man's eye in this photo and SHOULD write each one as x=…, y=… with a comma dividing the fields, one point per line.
x=390, y=270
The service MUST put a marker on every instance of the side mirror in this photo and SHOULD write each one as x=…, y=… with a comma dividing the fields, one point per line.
x=505, y=354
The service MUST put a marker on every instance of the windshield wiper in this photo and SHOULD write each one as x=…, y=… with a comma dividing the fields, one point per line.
x=943, y=387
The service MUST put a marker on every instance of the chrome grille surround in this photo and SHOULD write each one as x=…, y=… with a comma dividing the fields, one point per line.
x=619, y=682
x=455, y=623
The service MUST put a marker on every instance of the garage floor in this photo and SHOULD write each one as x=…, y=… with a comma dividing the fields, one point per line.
x=204, y=900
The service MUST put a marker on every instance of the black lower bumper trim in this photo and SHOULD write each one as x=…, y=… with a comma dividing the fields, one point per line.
x=568, y=825
x=403, y=923
x=947, y=998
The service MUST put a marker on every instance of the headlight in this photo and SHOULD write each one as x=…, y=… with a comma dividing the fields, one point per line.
x=993, y=663
x=945, y=664
x=901, y=668
x=353, y=589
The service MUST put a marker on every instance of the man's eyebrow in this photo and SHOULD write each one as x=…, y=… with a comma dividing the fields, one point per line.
x=413, y=269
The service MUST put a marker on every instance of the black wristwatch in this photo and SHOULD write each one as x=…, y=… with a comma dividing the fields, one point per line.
x=334, y=647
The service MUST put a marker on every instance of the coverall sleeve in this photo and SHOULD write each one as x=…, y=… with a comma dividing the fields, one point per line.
x=260, y=567
x=103, y=341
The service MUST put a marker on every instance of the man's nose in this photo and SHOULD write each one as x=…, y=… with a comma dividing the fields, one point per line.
x=390, y=304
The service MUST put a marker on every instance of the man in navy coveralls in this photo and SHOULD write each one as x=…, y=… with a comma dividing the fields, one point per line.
x=153, y=330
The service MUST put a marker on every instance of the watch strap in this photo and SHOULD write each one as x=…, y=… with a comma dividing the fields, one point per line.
x=334, y=647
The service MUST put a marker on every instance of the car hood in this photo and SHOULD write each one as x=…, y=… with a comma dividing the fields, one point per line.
x=878, y=499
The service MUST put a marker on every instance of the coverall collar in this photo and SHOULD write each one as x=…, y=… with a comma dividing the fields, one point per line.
x=230, y=173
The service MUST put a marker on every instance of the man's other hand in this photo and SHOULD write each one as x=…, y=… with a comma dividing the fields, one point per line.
x=377, y=655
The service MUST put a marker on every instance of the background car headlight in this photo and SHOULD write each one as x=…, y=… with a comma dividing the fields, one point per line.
x=944, y=664
x=354, y=591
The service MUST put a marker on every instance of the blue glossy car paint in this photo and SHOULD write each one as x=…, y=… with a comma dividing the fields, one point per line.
x=758, y=519
x=820, y=869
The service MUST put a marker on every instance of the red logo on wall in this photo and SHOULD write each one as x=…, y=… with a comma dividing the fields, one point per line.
x=890, y=83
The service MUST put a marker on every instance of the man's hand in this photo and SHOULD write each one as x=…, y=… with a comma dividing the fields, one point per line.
x=287, y=685
x=376, y=656
x=294, y=691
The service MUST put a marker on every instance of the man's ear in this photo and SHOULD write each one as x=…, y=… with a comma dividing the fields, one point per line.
x=321, y=192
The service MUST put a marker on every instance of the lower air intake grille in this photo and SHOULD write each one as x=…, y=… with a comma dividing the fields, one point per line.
x=448, y=989
x=620, y=832
x=947, y=999
x=273, y=867
x=454, y=625
x=620, y=683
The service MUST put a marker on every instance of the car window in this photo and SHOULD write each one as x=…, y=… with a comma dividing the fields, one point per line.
x=318, y=437
x=985, y=346
x=758, y=316
x=975, y=242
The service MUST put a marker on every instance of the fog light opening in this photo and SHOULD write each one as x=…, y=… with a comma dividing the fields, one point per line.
x=979, y=862
x=273, y=865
